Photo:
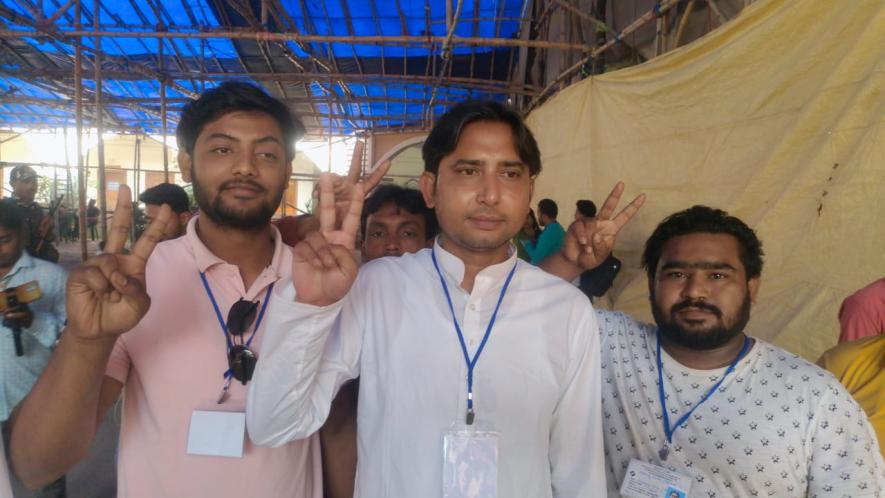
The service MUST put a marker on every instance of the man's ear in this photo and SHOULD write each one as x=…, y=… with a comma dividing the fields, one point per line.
x=753, y=288
x=184, y=217
x=185, y=164
x=427, y=184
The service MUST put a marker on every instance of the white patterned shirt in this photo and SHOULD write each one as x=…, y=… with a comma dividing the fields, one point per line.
x=777, y=425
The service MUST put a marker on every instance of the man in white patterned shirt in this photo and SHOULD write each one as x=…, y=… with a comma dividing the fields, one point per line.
x=732, y=415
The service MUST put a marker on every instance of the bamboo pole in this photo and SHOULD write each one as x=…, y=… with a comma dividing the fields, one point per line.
x=646, y=18
x=99, y=128
x=683, y=23
x=304, y=38
x=81, y=170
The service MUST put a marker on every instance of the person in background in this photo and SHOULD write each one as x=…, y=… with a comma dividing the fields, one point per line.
x=394, y=221
x=29, y=330
x=38, y=224
x=551, y=238
x=863, y=313
x=527, y=235
x=596, y=282
x=173, y=195
x=92, y=214
x=860, y=367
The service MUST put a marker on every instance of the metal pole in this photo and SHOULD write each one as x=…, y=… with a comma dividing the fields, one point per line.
x=81, y=170
x=163, y=115
x=266, y=36
x=99, y=129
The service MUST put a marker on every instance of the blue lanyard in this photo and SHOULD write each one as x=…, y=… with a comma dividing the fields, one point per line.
x=221, y=321
x=668, y=429
x=471, y=363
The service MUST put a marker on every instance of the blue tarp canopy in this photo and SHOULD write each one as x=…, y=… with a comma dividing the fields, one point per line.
x=336, y=85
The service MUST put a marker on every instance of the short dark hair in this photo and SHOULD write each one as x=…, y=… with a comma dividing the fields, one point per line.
x=232, y=96
x=167, y=193
x=586, y=207
x=444, y=136
x=404, y=198
x=703, y=219
x=548, y=207
x=10, y=217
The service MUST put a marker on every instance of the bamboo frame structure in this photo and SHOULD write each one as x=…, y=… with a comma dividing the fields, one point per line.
x=296, y=61
x=288, y=47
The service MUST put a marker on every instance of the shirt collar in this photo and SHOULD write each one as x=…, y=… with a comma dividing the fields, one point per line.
x=453, y=268
x=24, y=261
x=206, y=259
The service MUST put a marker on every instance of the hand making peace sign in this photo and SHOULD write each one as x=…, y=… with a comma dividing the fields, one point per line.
x=343, y=186
x=323, y=264
x=106, y=295
x=589, y=242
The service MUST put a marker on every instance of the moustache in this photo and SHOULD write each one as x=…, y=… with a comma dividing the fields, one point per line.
x=696, y=303
x=242, y=183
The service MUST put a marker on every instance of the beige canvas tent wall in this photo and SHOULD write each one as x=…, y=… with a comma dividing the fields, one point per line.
x=777, y=117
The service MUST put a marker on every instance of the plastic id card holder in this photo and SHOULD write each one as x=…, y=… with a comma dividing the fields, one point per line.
x=217, y=434
x=470, y=462
x=644, y=480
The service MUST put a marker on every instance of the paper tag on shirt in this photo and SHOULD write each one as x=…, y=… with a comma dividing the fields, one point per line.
x=470, y=463
x=644, y=480
x=217, y=434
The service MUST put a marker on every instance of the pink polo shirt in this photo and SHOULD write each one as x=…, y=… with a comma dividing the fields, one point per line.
x=173, y=362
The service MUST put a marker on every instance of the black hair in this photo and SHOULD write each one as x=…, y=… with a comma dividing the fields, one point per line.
x=404, y=198
x=703, y=219
x=232, y=96
x=443, y=138
x=167, y=193
x=586, y=208
x=548, y=207
x=10, y=217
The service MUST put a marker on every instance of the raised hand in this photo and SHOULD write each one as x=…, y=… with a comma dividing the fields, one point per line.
x=106, y=295
x=324, y=267
x=589, y=242
x=343, y=186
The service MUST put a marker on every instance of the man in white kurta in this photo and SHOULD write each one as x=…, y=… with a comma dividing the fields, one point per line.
x=537, y=380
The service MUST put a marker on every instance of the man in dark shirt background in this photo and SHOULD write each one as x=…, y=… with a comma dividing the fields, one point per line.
x=596, y=282
x=37, y=223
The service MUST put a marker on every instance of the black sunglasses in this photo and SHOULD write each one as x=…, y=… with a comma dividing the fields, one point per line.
x=240, y=359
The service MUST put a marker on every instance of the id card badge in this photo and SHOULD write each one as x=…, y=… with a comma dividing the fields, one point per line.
x=644, y=480
x=470, y=462
x=217, y=434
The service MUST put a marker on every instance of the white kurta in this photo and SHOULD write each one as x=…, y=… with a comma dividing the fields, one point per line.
x=777, y=426
x=537, y=382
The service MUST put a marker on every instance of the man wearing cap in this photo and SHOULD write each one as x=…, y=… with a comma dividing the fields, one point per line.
x=38, y=227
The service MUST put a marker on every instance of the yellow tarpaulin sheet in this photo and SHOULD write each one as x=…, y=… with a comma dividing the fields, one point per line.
x=777, y=117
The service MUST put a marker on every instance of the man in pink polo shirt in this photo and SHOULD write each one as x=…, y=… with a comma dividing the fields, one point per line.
x=184, y=355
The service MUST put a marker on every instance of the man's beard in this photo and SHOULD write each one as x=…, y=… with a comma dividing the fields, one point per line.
x=230, y=216
x=703, y=340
